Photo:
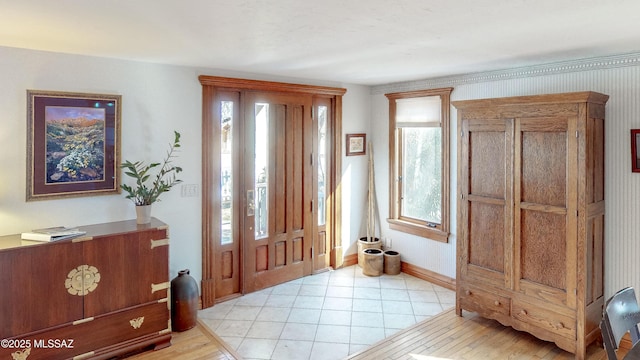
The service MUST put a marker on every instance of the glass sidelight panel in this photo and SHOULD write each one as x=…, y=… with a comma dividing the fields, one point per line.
x=322, y=164
x=261, y=166
x=226, y=171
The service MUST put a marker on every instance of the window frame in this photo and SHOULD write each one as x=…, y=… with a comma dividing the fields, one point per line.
x=409, y=225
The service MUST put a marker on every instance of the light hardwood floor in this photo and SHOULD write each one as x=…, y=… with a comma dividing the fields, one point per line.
x=445, y=336
x=470, y=337
x=199, y=343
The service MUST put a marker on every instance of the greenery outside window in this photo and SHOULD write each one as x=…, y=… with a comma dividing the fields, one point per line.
x=419, y=162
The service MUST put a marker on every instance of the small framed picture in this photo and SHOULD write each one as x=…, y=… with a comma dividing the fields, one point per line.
x=356, y=144
x=73, y=144
x=635, y=150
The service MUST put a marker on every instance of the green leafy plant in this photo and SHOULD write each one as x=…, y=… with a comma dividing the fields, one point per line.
x=146, y=194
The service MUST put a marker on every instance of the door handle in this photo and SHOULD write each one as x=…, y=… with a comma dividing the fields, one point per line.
x=251, y=203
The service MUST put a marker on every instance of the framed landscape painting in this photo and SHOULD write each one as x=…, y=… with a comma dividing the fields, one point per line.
x=73, y=144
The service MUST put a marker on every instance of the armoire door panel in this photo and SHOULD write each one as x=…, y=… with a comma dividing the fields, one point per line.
x=544, y=168
x=543, y=248
x=545, y=195
x=595, y=265
x=486, y=235
x=486, y=191
x=486, y=177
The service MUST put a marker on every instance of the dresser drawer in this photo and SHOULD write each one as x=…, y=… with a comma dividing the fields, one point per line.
x=129, y=324
x=483, y=302
x=89, y=337
x=544, y=318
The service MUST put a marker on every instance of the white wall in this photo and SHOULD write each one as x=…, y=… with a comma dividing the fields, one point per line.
x=156, y=99
x=354, y=168
x=616, y=76
x=432, y=255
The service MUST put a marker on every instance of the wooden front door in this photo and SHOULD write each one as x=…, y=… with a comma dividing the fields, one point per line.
x=271, y=159
x=277, y=181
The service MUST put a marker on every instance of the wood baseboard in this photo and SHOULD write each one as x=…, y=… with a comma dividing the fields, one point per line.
x=428, y=275
x=420, y=273
x=349, y=260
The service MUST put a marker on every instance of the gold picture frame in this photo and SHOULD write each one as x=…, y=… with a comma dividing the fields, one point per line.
x=73, y=144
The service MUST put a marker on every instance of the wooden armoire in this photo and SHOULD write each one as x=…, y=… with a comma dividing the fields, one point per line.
x=530, y=217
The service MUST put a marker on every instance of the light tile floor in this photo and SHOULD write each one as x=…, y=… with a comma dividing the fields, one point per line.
x=325, y=316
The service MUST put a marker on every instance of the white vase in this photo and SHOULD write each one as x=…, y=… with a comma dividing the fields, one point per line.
x=143, y=214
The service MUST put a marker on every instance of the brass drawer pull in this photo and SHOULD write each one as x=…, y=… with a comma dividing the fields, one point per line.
x=137, y=322
x=21, y=355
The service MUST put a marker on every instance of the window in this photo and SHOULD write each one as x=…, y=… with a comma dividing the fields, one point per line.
x=419, y=162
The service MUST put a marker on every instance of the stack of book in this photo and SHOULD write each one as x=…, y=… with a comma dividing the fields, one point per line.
x=52, y=234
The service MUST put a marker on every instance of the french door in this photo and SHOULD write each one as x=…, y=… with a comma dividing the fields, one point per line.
x=269, y=160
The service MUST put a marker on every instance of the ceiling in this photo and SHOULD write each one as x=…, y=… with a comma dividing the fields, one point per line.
x=366, y=42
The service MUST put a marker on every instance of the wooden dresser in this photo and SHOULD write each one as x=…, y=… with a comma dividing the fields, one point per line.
x=96, y=296
x=531, y=214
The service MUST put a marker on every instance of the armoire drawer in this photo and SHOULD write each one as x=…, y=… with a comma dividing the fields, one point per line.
x=544, y=318
x=483, y=302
